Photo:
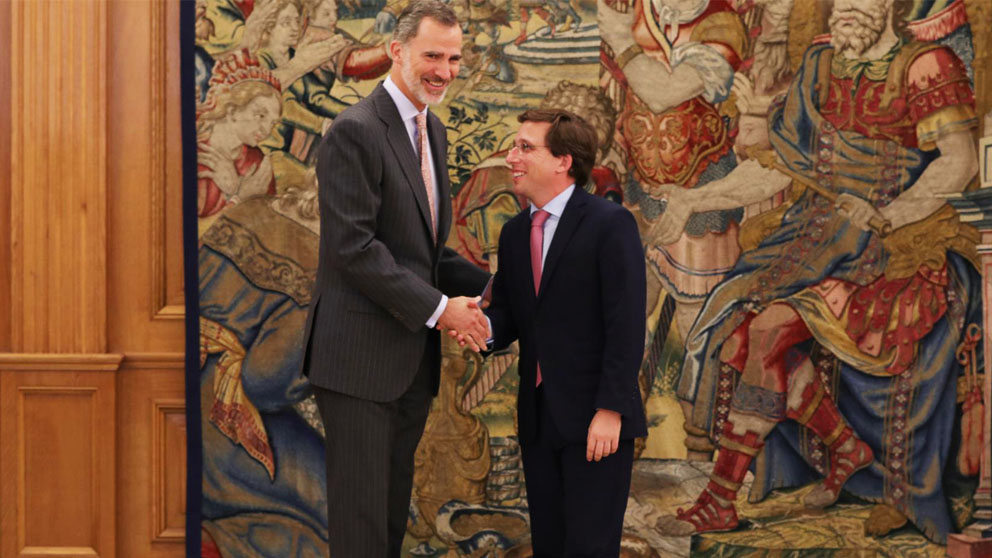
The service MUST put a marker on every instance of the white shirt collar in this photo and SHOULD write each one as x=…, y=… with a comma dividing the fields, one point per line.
x=557, y=204
x=406, y=107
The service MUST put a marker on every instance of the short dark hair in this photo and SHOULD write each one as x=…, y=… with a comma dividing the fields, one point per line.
x=409, y=20
x=569, y=134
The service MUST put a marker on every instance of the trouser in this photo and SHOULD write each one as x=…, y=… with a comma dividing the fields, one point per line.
x=576, y=506
x=370, y=449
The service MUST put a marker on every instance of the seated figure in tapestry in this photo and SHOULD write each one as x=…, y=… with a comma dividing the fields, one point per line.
x=263, y=450
x=827, y=355
x=242, y=105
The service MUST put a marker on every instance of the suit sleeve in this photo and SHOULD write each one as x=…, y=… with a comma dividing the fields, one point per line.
x=623, y=284
x=349, y=174
x=500, y=312
x=459, y=277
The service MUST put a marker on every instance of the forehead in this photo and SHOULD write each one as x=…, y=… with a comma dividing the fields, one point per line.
x=861, y=4
x=262, y=102
x=534, y=132
x=288, y=11
x=436, y=37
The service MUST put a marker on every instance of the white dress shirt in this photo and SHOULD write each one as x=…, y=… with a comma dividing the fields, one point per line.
x=555, y=207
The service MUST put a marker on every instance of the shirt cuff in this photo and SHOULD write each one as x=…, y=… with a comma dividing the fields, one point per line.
x=489, y=340
x=432, y=321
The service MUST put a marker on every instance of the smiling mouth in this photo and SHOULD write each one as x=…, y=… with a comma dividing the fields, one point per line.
x=436, y=83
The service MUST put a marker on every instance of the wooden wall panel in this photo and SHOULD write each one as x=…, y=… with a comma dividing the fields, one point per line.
x=145, y=178
x=58, y=457
x=168, y=468
x=58, y=109
x=152, y=479
x=165, y=154
x=145, y=275
x=5, y=264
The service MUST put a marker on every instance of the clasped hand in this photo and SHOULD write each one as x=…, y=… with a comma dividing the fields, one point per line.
x=464, y=321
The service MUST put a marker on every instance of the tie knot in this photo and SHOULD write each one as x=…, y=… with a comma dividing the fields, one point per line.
x=421, y=119
x=540, y=216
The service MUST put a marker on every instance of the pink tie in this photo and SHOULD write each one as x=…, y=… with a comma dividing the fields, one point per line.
x=425, y=170
x=536, y=251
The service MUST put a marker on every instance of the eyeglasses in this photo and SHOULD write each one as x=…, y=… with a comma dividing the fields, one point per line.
x=525, y=147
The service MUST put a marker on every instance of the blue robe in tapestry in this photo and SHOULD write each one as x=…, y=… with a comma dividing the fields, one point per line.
x=264, y=485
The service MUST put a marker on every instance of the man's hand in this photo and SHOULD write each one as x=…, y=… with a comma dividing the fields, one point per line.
x=668, y=228
x=463, y=320
x=857, y=210
x=604, y=435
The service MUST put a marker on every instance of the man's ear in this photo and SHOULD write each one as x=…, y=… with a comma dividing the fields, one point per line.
x=394, y=50
x=565, y=163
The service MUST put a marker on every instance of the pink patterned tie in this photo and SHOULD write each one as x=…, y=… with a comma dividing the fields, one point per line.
x=536, y=251
x=425, y=170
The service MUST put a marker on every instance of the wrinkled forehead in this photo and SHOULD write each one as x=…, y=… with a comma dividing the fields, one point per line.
x=436, y=37
x=862, y=5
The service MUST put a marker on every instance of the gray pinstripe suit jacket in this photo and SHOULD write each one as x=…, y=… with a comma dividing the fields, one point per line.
x=380, y=275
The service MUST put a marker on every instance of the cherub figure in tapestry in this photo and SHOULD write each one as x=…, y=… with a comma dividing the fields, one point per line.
x=827, y=355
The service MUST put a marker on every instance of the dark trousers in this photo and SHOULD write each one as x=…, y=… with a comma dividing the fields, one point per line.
x=370, y=447
x=576, y=506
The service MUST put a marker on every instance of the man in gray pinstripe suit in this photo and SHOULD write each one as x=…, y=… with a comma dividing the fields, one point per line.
x=372, y=350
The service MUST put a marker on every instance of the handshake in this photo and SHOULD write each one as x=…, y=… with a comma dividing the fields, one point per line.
x=463, y=320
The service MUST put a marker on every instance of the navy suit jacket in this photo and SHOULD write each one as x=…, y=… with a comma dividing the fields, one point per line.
x=586, y=327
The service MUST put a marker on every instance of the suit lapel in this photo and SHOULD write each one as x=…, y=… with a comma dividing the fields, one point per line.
x=567, y=225
x=399, y=141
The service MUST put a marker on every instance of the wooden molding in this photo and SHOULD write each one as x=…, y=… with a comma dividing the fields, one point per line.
x=60, y=551
x=154, y=361
x=166, y=276
x=5, y=130
x=48, y=362
x=58, y=203
x=168, y=470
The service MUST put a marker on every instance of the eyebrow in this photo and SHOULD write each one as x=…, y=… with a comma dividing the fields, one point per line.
x=457, y=56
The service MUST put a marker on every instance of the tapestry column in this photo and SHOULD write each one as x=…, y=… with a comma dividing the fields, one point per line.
x=975, y=208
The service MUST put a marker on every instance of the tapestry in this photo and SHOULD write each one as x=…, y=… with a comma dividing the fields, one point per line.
x=752, y=96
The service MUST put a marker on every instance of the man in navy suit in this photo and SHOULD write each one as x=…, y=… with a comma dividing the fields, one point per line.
x=571, y=288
